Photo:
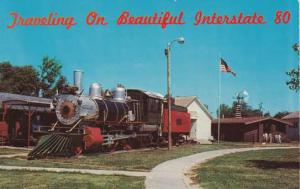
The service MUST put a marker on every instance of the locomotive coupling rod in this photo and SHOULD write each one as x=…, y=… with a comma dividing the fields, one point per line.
x=53, y=127
x=70, y=130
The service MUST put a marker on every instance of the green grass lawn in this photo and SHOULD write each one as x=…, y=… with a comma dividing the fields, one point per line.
x=6, y=151
x=136, y=160
x=41, y=180
x=253, y=169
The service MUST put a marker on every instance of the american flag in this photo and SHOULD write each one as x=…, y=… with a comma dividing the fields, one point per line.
x=225, y=68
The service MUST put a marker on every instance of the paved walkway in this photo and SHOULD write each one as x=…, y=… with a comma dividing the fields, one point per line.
x=171, y=174
x=17, y=148
x=12, y=155
x=167, y=175
x=14, y=148
x=69, y=170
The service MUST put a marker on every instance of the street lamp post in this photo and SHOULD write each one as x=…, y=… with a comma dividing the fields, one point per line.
x=179, y=40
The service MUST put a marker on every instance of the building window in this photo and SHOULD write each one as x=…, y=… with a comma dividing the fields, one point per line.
x=178, y=122
x=153, y=105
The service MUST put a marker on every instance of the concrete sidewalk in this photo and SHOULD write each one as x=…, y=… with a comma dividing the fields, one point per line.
x=12, y=155
x=171, y=174
x=84, y=171
x=17, y=148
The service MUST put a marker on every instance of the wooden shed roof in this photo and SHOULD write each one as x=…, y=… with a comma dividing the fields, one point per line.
x=149, y=93
x=22, y=102
x=292, y=115
x=249, y=120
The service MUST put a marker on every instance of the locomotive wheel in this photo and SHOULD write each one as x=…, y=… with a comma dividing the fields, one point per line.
x=78, y=150
x=113, y=147
x=126, y=145
x=163, y=141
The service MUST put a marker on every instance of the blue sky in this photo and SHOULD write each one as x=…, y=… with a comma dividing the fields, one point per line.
x=134, y=56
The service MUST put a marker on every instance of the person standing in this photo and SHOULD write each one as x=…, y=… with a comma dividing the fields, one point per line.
x=279, y=138
x=271, y=138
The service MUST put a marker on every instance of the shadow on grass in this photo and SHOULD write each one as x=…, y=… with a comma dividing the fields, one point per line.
x=264, y=164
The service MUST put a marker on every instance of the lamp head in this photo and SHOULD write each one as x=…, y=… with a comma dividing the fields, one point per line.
x=180, y=40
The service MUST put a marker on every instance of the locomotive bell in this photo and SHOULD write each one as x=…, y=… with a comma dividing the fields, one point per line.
x=95, y=90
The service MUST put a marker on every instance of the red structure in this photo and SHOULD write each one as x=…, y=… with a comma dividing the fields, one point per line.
x=3, y=132
x=93, y=137
x=181, y=122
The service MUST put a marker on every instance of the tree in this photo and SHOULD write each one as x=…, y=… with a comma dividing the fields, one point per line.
x=61, y=83
x=281, y=114
x=26, y=80
x=293, y=83
x=296, y=48
x=249, y=111
x=51, y=79
x=18, y=79
x=246, y=110
x=226, y=111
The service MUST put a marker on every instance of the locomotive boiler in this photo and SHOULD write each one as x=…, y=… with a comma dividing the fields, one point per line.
x=108, y=120
x=72, y=109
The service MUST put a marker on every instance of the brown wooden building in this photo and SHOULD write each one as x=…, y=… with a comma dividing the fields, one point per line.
x=293, y=131
x=21, y=116
x=249, y=129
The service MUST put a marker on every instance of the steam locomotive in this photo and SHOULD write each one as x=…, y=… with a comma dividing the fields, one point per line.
x=110, y=120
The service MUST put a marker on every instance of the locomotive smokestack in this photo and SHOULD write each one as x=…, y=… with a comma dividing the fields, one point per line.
x=78, y=77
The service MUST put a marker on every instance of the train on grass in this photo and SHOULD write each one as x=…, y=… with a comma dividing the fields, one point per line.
x=110, y=120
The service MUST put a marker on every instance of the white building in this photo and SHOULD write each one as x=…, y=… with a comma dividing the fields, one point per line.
x=200, y=118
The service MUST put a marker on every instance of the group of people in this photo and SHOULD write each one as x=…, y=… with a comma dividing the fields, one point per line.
x=269, y=138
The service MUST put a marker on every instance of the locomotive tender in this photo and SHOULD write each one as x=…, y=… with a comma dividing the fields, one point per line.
x=120, y=119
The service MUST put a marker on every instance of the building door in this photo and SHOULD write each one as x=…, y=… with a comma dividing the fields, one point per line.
x=251, y=136
x=193, y=134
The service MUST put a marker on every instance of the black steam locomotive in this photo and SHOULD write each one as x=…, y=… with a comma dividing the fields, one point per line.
x=110, y=120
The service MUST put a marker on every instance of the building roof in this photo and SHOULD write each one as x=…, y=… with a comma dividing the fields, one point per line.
x=185, y=101
x=292, y=115
x=248, y=120
x=149, y=93
x=9, y=96
x=21, y=102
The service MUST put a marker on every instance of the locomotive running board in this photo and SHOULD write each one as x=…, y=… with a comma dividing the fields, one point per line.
x=109, y=139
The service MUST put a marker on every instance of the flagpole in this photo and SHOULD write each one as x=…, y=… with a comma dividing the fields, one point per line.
x=219, y=99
